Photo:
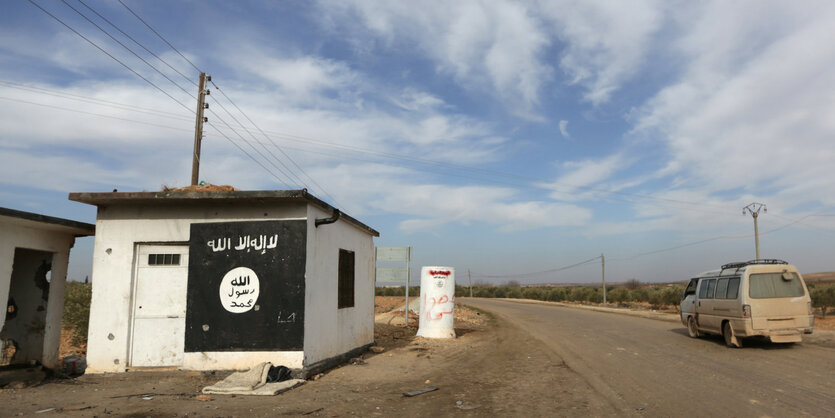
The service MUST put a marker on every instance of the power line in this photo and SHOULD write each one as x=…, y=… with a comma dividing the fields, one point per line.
x=137, y=42
x=289, y=172
x=287, y=137
x=250, y=156
x=160, y=36
x=92, y=113
x=276, y=145
x=284, y=182
x=109, y=55
x=128, y=49
x=92, y=100
x=293, y=138
x=145, y=79
x=520, y=275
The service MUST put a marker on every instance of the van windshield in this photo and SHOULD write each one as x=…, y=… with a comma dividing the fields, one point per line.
x=773, y=285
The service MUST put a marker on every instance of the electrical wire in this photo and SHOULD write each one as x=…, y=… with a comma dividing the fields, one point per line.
x=140, y=45
x=93, y=114
x=128, y=49
x=281, y=181
x=521, y=275
x=251, y=157
x=109, y=55
x=292, y=176
x=160, y=36
x=273, y=142
x=92, y=100
x=343, y=156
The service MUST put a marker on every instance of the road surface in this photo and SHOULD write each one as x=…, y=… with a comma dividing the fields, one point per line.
x=650, y=367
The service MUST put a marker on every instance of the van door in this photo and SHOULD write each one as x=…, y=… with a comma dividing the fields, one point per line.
x=688, y=301
x=778, y=301
x=705, y=306
x=726, y=303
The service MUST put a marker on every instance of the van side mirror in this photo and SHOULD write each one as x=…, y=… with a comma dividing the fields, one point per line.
x=788, y=276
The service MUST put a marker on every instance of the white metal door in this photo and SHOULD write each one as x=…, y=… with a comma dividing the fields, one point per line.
x=159, y=306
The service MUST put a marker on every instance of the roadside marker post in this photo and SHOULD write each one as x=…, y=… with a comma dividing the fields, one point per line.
x=395, y=274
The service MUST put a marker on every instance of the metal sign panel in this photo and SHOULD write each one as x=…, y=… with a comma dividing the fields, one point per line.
x=394, y=253
x=392, y=274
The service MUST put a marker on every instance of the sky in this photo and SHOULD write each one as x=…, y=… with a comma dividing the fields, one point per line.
x=514, y=140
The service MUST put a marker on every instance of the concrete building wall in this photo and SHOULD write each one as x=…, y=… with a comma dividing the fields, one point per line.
x=32, y=235
x=118, y=230
x=330, y=331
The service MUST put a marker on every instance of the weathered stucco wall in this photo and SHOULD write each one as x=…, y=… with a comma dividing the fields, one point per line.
x=26, y=234
x=119, y=229
x=330, y=331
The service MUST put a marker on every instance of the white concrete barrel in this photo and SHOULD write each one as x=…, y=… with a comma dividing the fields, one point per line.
x=437, y=302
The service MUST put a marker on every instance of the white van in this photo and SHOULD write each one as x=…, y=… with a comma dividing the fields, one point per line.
x=764, y=297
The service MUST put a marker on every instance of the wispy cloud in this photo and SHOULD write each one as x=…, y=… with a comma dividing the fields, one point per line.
x=564, y=129
x=761, y=124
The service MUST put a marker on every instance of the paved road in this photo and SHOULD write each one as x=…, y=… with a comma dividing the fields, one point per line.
x=651, y=367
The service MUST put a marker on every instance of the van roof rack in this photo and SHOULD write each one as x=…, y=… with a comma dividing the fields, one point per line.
x=749, y=262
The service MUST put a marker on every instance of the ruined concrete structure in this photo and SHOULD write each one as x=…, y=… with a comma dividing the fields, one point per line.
x=34, y=254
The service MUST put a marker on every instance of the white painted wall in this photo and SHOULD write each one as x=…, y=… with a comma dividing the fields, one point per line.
x=118, y=230
x=21, y=233
x=241, y=360
x=330, y=331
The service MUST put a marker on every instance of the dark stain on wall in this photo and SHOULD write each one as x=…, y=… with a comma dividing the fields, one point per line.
x=246, y=286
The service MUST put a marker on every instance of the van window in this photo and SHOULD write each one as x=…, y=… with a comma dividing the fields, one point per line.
x=711, y=287
x=691, y=287
x=721, y=288
x=703, y=289
x=733, y=288
x=773, y=285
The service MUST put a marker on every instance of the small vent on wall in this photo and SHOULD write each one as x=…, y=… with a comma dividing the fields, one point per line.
x=163, y=259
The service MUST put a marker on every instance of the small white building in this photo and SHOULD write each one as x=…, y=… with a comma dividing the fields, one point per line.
x=34, y=254
x=227, y=279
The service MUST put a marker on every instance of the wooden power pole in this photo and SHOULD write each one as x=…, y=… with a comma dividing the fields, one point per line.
x=198, y=128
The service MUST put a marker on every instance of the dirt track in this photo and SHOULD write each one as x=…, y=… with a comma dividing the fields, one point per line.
x=490, y=369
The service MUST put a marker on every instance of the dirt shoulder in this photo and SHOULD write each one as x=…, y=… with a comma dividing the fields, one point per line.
x=491, y=368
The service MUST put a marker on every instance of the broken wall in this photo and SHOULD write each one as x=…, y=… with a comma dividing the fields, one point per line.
x=28, y=235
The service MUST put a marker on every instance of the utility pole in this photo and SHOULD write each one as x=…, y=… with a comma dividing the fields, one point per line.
x=603, y=269
x=470, y=279
x=198, y=127
x=754, y=210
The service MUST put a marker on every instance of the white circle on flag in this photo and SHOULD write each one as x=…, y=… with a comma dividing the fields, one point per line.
x=239, y=290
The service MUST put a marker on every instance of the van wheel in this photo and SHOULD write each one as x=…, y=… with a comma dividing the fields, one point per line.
x=730, y=338
x=691, y=327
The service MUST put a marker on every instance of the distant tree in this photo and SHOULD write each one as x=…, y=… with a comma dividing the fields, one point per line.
x=656, y=297
x=639, y=295
x=823, y=297
x=618, y=295
x=556, y=294
x=513, y=283
x=671, y=295
x=515, y=292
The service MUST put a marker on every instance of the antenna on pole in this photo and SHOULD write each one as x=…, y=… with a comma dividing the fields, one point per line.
x=754, y=210
x=198, y=127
